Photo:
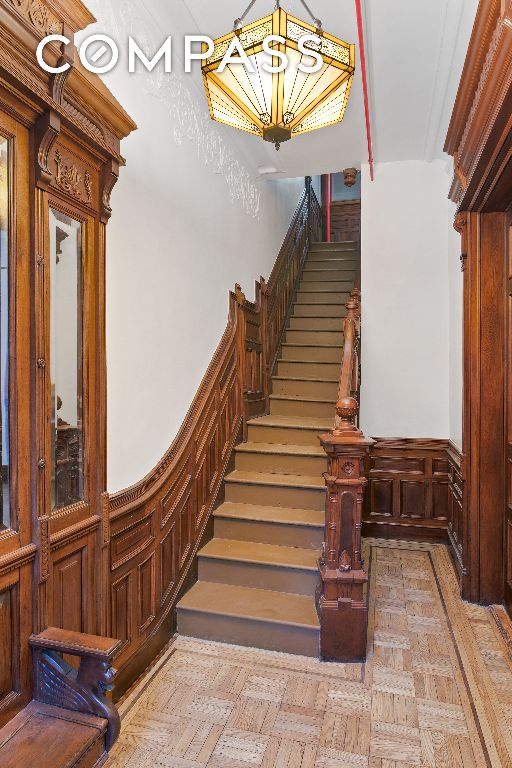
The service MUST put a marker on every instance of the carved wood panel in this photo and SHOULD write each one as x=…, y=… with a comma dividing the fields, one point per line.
x=69, y=575
x=408, y=488
x=8, y=608
x=345, y=220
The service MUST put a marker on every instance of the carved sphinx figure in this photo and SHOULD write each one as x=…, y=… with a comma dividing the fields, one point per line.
x=82, y=690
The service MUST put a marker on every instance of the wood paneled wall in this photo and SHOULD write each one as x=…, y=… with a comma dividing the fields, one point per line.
x=480, y=140
x=157, y=525
x=409, y=492
x=456, y=509
x=345, y=220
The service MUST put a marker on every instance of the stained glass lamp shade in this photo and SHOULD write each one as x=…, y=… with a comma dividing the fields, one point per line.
x=279, y=106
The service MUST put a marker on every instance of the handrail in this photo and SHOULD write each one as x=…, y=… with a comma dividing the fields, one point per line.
x=342, y=605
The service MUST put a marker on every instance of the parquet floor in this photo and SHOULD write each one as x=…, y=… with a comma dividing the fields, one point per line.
x=436, y=690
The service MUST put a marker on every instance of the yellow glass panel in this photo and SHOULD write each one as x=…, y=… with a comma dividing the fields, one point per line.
x=226, y=111
x=301, y=89
x=329, y=111
x=253, y=89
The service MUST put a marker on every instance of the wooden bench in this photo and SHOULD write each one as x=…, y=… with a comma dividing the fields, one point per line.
x=71, y=722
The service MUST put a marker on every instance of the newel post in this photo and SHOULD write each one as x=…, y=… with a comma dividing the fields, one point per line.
x=341, y=600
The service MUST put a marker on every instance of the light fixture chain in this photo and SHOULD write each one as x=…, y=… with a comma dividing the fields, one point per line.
x=239, y=22
x=308, y=9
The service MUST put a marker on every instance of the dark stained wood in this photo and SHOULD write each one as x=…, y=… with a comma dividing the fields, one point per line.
x=408, y=489
x=76, y=643
x=345, y=220
x=341, y=601
x=51, y=736
x=480, y=141
x=64, y=136
x=455, y=508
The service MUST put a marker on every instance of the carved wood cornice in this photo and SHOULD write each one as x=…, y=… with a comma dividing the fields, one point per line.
x=487, y=79
x=79, y=98
x=485, y=24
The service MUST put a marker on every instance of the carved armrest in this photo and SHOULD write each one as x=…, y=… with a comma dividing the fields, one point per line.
x=84, y=690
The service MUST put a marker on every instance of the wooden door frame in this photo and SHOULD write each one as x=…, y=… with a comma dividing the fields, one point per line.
x=480, y=141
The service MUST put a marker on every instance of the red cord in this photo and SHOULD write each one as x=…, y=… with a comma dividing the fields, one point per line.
x=365, y=84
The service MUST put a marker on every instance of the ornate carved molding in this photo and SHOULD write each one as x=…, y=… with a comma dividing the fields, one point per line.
x=39, y=16
x=109, y=177
x=73, y=532
x=44, y=548
x=67, y=176
x=17, y=559
x=471, y=127
x=47, y=131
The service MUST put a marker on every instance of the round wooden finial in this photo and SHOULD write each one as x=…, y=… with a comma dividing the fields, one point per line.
x=346, y=411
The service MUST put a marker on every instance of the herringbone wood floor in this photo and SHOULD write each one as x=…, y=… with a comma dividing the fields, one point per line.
x=436, y=690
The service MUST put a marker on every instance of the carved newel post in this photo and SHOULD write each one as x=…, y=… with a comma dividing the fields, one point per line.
x=342, y=605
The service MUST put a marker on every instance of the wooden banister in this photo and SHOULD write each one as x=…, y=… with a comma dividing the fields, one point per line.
x=342, y=605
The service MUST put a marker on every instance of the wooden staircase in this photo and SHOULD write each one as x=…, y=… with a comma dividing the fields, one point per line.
x=259, y=574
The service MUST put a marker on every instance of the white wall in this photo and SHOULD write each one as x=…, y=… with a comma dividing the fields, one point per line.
x=191, y=218
x=406, y=342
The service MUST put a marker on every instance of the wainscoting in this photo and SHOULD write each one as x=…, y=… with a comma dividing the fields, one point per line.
x=156, y=527
x=414, y=491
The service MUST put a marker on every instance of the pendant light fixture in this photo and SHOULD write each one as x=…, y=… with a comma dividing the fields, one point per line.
x=278, y=106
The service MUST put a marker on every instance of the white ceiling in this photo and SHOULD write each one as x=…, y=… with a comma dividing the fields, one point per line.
x=415, y=53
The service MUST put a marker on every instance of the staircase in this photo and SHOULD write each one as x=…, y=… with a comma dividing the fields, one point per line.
x=258, y=575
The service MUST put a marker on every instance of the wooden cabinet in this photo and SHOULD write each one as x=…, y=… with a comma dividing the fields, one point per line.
x=59, y=159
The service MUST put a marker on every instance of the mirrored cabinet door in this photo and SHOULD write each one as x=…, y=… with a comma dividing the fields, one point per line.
x=66, y=356
x=4, y=330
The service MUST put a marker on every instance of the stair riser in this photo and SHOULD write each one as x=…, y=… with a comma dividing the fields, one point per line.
x=275, y=496
x=301, y=408
x=314, y=275
x=286, y=465
x=295, y=581
x=316, y=324
x=334, y=263
x=320, y=354
x=308, y=370
x=326, y=285
x=326, y=297
x=260, y=634
x=303, y=536
x=314, y=337
x=323, y=390
x=317, y=310
x=348, y=245
x=284, y=435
